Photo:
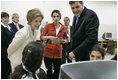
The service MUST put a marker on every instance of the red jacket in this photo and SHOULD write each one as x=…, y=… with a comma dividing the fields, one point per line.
x=52, y=50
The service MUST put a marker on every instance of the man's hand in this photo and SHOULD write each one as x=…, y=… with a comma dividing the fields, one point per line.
x=71, y=55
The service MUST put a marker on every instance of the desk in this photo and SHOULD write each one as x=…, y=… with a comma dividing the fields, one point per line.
x=110, y=49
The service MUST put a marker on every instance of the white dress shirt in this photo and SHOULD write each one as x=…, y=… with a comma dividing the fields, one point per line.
x=17, y=25
x=68, y=34
x=57, y=30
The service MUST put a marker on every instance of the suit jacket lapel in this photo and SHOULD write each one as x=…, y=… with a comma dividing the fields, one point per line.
x=74, y=21
x=19, y=26
x=8, y=32
x=80, y=20
x=78, y=23
x=14, y=27
x=73, y=25
x=61, y=29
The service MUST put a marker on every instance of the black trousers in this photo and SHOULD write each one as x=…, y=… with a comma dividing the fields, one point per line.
x=65, y=53
x=53, y=67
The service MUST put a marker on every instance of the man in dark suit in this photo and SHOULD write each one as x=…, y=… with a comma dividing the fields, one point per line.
x=15, y=25
x=67, y=46
x=84, y=31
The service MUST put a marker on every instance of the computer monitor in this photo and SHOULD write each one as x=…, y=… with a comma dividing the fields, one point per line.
x=107, y=35
x=99, y=69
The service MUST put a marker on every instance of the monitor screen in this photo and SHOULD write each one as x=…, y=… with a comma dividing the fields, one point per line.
x=109, y=35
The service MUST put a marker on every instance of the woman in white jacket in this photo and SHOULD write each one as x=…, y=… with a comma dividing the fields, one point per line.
x=24, y=36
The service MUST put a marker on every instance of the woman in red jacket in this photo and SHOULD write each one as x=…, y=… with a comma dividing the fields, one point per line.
x=53, y=49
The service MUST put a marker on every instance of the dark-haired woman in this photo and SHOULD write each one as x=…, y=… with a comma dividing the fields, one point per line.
x=53, y=49
x=97, y=53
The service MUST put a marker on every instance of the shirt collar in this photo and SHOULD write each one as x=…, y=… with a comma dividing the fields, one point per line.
x=15, y=23
x=83, y=8
x=68, y=26
x=4, y=25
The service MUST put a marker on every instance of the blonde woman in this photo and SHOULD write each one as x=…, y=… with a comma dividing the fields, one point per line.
x=24, y=36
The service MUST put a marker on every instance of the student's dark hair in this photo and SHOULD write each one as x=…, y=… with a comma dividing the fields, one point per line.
x=98, y=48
x=32, y=54
x=56, y=11
x=4, y=14
x=32, y=58
x=71, y=2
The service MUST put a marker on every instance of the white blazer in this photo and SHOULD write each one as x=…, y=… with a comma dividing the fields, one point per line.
x=21, y=39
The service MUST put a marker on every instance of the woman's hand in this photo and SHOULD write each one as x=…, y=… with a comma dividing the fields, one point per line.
x=54, y=40
x=63, y=41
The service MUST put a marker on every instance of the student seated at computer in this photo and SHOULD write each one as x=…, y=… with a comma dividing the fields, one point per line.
x=97, y=53
x=31, y=62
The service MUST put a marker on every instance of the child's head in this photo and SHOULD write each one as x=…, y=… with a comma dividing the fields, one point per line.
x=97, y=53
x=32, y=55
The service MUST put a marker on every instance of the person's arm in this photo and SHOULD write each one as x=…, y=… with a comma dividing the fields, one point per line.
x=47, y=37
x=65, y=38
x=91, y=30
x=44, y=37
x=18, y=40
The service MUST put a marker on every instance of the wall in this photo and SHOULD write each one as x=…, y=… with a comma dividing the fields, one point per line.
x=106, y=11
